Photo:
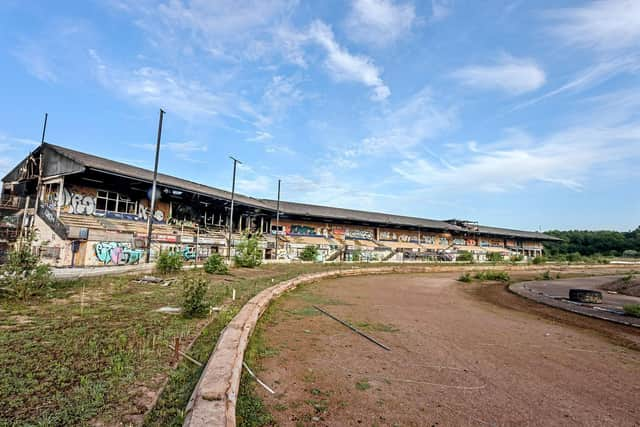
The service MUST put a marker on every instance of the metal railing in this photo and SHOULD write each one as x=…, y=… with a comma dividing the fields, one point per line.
x=52, y=221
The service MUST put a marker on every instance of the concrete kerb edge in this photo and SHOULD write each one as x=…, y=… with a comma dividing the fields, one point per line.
x=224, y=367
x=517, y=289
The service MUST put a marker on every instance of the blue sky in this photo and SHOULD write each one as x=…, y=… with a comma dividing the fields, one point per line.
x=512, y=113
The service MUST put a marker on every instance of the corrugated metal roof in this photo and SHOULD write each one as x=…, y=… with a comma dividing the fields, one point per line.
x=113, y=167
x=317, y=211
x=291, y=208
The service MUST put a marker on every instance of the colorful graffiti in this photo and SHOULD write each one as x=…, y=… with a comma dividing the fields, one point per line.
x=429, y=240
x=303, y=230
x=117, y=253
x=359, y=234
x=189, y=253
x=443, y=241
x=461, y=242
x=81, y=203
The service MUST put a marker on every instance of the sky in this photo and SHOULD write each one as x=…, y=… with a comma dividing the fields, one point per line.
x=516, y=114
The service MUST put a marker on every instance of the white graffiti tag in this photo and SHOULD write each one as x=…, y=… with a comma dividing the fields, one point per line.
x=83, y=205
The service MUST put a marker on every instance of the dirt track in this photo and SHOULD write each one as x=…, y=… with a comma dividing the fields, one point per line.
x=461, y=355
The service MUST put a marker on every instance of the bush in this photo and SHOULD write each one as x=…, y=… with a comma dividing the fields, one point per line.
x=466, y=278
x=546, y=276
x=574, y=257
x=356, y=255
x=215, y=265
x=632, y=309
x=465, y=256
x=517, y=258
x=193, y=293
x=169, y=262
x=500, y=276
x=24, y=275
x=495, y=257
x=539, y=260
x=309, y=253
x=248, y=254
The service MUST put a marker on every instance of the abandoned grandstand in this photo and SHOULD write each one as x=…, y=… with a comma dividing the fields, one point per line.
x=88, y=210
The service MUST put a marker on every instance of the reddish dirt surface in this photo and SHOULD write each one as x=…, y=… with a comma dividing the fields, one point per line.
x=462, y=354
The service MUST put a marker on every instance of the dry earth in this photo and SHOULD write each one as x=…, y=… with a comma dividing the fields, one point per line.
x=462, y=354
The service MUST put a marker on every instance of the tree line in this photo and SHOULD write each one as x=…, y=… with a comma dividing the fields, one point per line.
x=589, y=243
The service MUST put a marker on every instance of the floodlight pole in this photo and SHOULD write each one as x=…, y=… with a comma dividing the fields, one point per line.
x=39, y=184
x=153, y=191
x=233, y=193
x=278, y=219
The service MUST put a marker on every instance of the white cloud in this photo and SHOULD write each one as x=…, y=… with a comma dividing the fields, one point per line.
x=260, y=136
x=565, y=158
x=602, y=25
x=379, y=22
x=592, y=76
x=182, y=150
x=345, y=66
x=161, y=88
x=440, y=9
x=509, y=74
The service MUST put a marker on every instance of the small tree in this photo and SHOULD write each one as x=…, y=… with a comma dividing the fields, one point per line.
x=539, y=260
x=23, y=275
x=309, y=253
x=248, y=254
x=495, y=257
x=194, y=291
x=215, y=265
x=169, y=262
x=465, y=256
x=356, y=255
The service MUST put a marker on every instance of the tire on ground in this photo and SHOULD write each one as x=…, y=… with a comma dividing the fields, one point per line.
x=585, y=295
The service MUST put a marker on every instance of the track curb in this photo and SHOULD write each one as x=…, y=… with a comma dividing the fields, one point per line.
x=213, y=401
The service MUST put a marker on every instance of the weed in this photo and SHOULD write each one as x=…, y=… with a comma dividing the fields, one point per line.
x=363, y=385
x=193, y=294
x=309, y=253
x=492, y=275
x=169, y=262
x=215, y=265
x=632, y=309
x=465, y=278
x=464, y=256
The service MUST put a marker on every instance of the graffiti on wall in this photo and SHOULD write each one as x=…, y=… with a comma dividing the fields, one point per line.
x=430, y=240
x=359, y=234
x=304, y=230
x=117, y=253
x=461, y=242
x=83, y=203
x=443, y=241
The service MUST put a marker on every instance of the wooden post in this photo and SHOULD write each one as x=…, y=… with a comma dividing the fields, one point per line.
x=176, y=349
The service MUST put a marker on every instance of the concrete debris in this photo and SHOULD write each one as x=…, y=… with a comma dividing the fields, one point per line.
x=169, y=310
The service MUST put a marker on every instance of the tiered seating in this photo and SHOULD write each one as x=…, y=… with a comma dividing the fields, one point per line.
x=81, y=221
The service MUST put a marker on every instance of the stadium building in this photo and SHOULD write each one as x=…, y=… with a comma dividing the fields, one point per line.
x=87, y=210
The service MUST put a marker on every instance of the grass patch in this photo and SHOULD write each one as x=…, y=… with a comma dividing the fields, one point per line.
x=492, y=275
x=465, y=278
x=632, y=309
x=376, y=327
x=363, y=385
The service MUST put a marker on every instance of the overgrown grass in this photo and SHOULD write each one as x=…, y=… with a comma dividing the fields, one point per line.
x=493, y=275
x=632, y=309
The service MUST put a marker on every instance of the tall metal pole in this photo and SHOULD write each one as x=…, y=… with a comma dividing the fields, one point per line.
x=39, y=185
x=233, y=193
x=153, y=190
x=278, y=219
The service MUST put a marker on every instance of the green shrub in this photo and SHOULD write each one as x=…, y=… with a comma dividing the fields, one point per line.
x=574, y=257
x=632, y=309
x=464, y=257
x=24, y=275
x=309, y=253
x=517, y=258
x=500, y=276
x=169, y=262
x=356, y=255
x=495, y=257
x=539, y=260
x=466, y=278
x=248, y=254
x=194, y=291
x=546, y=276
x=215, y=265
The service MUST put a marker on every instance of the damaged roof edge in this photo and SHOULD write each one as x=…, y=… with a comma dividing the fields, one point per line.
x=292, y=208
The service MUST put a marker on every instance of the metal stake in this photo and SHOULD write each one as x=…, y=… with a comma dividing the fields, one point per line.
x=153, y=191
